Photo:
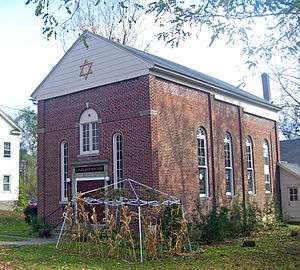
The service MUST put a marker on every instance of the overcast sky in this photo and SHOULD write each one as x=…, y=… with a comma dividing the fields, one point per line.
x=26, y=56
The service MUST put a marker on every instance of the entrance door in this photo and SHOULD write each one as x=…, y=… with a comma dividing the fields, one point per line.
x=87, y=185
x=294, y=202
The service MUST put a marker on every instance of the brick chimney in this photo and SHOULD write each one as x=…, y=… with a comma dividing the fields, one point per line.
x=266, y=86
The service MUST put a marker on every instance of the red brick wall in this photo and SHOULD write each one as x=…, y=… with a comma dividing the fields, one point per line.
x=180, y=112
x=118, y=106
x=160, y=149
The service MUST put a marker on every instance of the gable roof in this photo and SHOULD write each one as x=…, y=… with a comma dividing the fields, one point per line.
x=156, y=62
x=291, y=168
x=290, y=151
x=10, y=121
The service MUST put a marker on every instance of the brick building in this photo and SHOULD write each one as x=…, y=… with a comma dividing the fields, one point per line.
x=107, y=112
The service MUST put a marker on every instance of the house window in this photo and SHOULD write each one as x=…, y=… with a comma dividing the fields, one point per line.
x=202, y=162
x=117, y=158
x=293, y=194
x=7, y=150
x=267, y=166
x=89, y=133
x=6, y=183
x=64, y=161
x=250, y=166
x=228, y=164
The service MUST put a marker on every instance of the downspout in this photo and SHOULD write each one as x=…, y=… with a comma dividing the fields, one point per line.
x=212, y=147
x=277, y=168
x=242, y=159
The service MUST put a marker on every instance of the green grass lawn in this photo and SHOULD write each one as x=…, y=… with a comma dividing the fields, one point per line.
x=274, y=250
x=13, y=227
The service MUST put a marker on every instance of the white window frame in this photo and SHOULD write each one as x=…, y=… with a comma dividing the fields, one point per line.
x=267, y=168
x=7, y=149
x=295, y=195
x=116, y=160
x=64, y=164
x=201, y=136
x=90, y=118
x=250, y=169
x=9, y=183
x=228, y=140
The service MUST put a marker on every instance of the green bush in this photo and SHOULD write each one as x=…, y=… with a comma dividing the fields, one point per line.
x=23, y=197
x=224, y=223
x=30, y=214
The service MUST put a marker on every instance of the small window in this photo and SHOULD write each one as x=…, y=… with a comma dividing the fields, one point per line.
x=228, y=164
x=267, y=175
x=89, y=133
x=6, y=183
x=7, y=150
x=293, y=194
x=118, y=158
x=202, y=162
x=250, y=166
x=64, y=159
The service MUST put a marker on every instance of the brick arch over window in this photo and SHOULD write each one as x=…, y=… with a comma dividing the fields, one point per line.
x=89, y=132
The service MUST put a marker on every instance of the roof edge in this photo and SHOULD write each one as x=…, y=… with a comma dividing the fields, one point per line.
x=10, y=121
x=173, y=73
x=283, y=165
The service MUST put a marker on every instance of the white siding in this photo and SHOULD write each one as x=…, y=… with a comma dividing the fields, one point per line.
x=110, y=64
x=291, y=212
x=9, y=166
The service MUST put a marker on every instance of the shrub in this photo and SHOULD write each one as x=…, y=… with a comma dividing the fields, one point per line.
x=30, y=213
x=223, y=223
x=23, y=197
x=41, y=227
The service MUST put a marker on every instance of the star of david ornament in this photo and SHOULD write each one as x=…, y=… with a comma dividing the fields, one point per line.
x=86, y=69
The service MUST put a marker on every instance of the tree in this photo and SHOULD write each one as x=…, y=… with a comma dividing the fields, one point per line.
x=27, y=121
x=265, y=27
x=119, y=20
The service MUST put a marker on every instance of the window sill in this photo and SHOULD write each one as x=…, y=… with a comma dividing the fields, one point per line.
x=90, y=154
x=63, y=202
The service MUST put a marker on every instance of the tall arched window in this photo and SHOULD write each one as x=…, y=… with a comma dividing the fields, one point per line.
x=228, y=164
x=89, y=137
x=64, y=163
x=267, y=175
x=118, y=158
x=250, y=166
x=202, y=162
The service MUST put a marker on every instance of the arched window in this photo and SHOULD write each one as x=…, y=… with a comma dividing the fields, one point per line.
x=64, y=163
x=202, y=162
x=250, y=166
x=228, y=164
x=89, y=137
x=117, y=158
x=267, y=175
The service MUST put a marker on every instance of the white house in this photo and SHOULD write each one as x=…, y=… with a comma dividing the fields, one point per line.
x=290, y=191
x=9, y=162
